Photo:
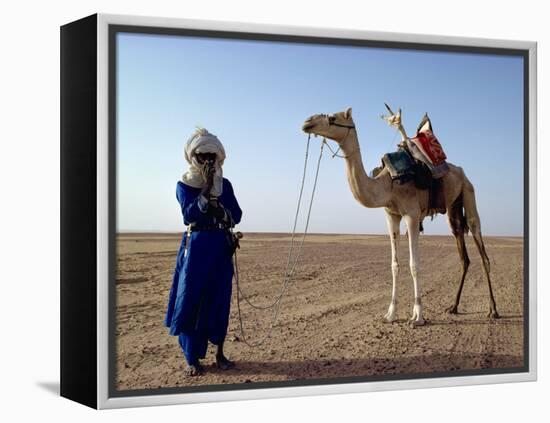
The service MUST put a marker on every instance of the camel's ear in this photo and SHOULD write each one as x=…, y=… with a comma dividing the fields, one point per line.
x=347, y=113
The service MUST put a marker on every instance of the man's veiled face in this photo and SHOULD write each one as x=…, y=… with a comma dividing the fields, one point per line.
x=206, y=158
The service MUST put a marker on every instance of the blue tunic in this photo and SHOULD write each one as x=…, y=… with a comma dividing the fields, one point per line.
x=200, y=297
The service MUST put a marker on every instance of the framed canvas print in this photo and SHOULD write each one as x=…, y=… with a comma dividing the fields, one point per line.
x=253, y=211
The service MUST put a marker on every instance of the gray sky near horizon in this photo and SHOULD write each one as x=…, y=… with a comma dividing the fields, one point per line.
x=255, y=96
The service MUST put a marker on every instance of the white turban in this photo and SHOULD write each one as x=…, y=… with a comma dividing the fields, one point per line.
x=203, y=141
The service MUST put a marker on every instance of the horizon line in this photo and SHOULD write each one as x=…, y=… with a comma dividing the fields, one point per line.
x=142, y=232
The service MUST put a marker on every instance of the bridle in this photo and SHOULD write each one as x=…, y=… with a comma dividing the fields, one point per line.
x=332, y=122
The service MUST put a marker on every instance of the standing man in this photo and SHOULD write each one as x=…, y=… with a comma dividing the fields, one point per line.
x=200, y=297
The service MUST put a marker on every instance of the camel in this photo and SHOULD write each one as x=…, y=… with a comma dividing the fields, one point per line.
x=405, y=201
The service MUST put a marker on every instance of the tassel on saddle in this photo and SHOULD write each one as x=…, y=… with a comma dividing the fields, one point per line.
x=423, y=179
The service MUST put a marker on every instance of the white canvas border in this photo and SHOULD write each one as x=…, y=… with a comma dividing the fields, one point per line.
x=103, y=399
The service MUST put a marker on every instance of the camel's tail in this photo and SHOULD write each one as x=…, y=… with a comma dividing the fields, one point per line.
x=472, y=220
x=458, y=208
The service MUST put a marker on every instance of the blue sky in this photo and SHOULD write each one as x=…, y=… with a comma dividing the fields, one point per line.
x=255, y=96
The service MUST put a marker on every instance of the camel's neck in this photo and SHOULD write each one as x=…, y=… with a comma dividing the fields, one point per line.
x=368, y=191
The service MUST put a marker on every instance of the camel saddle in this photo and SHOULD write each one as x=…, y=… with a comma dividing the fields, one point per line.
x=420, y=159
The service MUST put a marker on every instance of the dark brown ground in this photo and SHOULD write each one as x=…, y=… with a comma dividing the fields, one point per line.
x=330, y=322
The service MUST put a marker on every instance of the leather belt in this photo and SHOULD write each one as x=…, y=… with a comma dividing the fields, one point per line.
x=213, y=227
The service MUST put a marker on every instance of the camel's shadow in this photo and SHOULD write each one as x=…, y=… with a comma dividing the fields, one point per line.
x=504, y=319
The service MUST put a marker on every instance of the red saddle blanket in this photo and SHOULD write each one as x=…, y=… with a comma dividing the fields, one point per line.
x=430, y=147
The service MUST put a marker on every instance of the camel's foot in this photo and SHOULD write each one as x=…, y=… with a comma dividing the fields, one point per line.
x=195, y=369
x=417, y=319
x=391, y=315
x=493, y=314
x=223, y=363
x=452, y=309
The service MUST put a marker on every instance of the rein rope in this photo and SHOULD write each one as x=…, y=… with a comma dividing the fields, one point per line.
x=288, y=273
x=334, y=153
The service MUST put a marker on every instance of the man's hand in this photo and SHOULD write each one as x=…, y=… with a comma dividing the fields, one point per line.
x=210, y=171
x=216, y=209
x=218, y=212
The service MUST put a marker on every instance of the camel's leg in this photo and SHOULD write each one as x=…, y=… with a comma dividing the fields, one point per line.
x=413, y=225
x=472, y=218
x=458, y=227
x=393, y=221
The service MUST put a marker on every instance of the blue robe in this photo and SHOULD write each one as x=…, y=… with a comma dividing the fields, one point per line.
x=200, y=297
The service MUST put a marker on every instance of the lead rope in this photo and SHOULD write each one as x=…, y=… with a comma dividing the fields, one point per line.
x=291, y=246
x=288, y=274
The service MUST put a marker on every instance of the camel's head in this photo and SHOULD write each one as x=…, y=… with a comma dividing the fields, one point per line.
x=335, y=127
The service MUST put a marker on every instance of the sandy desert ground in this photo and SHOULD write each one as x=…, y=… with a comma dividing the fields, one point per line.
x=330, y=323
